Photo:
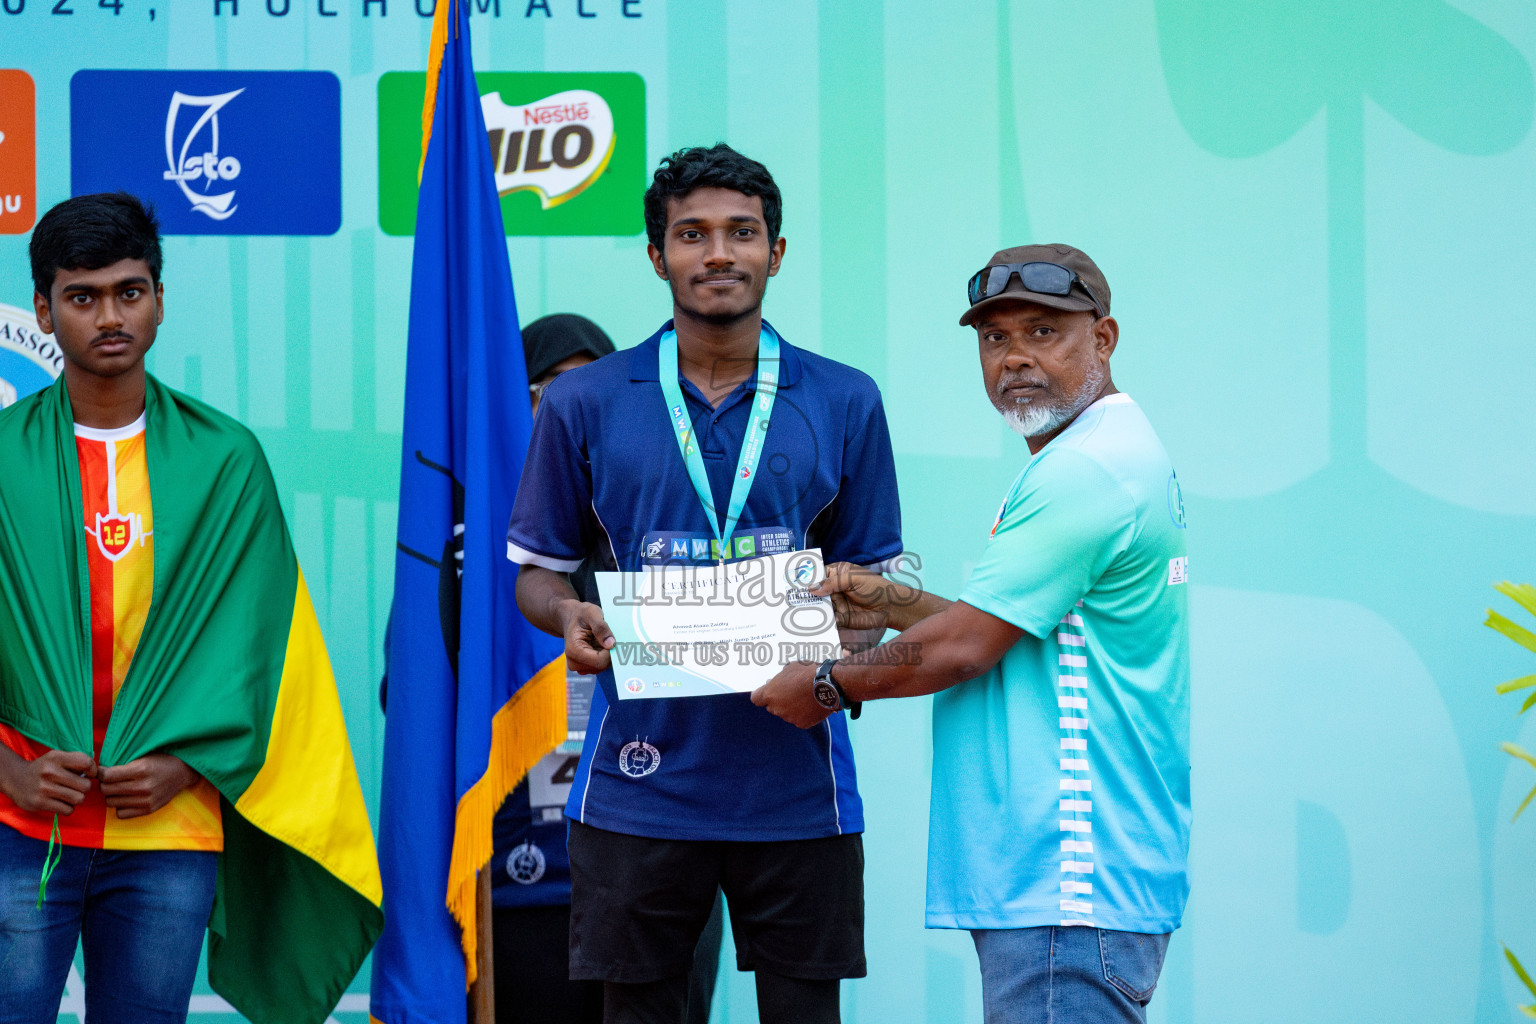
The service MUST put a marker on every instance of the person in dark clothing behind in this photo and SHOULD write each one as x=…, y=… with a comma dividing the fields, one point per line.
x=531, y=887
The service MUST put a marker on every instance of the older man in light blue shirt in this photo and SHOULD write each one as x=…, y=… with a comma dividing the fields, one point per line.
x=1059, y=831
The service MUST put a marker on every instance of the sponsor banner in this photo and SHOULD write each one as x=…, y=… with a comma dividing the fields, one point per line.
x=216, y=152
x=29, y=360
x=568, y=149
x=18, y=152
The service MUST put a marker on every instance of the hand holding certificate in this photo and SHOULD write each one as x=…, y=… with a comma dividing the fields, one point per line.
x=696, y=630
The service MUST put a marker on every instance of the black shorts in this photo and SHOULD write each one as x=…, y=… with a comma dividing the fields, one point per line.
x=529, y=951
x=638, y=905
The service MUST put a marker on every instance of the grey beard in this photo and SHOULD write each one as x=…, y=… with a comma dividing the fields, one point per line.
x=1037, y=418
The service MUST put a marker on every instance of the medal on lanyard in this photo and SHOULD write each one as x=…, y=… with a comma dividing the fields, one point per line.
x=751, y=443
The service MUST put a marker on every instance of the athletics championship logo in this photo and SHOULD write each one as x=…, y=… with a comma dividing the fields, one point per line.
x=29, y=360
x=567, y=150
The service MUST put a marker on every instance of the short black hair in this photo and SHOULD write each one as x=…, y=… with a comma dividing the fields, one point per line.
x=719, y=166
x=91, y=232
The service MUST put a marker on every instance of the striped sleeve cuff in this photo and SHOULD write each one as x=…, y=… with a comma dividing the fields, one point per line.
x=885, y=565
x=522, y=556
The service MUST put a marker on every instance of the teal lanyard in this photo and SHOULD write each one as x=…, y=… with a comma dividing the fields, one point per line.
x=751, y=443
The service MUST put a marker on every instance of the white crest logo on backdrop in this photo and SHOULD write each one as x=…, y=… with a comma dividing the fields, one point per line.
x=197, y=158
x=29, y=360
x=556, y=146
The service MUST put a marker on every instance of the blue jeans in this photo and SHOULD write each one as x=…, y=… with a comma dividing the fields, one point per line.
x=1074, y=975
x=139, y=914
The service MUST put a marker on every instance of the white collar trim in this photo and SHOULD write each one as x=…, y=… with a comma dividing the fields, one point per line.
x=113, y=433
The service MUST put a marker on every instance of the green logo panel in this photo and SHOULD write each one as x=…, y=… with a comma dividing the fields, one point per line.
x=568, y=148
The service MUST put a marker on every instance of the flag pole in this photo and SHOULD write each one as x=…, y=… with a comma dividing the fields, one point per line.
x=482, y=994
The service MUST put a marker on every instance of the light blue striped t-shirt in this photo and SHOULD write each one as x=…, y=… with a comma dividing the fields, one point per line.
x=1061, y=777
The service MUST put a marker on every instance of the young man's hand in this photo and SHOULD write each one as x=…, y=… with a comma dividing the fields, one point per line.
x=54, y=783
x=146, y=784
x=790, y=696
x=587, y=638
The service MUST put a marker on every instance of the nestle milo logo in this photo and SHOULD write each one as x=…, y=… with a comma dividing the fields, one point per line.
x=567, y=149
x=555, y=147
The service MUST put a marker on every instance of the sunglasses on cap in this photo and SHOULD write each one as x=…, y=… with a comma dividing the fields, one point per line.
x=1040, y=278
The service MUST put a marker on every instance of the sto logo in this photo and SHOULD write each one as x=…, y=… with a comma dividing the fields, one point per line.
x=187, y=164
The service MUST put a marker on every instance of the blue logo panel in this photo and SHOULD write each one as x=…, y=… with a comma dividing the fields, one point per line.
x=216, y=152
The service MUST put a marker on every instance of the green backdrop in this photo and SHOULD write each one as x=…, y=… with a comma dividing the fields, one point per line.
x=1319, y=223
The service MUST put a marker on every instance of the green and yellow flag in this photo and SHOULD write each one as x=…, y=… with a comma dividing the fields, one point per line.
x=230, y=675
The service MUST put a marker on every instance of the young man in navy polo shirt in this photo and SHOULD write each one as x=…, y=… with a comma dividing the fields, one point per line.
x=675, y=799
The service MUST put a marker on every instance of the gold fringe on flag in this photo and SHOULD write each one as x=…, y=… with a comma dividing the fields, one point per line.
x=439, y=40
x=526, y=728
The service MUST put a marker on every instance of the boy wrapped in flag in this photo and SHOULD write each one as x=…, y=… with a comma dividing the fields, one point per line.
x=172, y=751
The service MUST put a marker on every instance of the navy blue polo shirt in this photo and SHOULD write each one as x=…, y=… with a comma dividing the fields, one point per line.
x=604, y=478
x=530, y=865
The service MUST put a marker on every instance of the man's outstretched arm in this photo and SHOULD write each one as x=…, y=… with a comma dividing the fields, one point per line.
x=936, y=652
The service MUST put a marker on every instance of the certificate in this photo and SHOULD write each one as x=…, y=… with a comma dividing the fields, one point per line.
x=699, y=630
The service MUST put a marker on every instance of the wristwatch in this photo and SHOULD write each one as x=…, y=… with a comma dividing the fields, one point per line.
x=831, y=696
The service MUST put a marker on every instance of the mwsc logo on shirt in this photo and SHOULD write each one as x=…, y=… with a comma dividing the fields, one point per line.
x=568, y=150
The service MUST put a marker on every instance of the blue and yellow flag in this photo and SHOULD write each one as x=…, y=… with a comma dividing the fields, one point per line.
x=476, y=694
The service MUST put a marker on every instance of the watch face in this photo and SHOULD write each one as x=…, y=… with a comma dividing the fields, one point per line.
x=826, y=695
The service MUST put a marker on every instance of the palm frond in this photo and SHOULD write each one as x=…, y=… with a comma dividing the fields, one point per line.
x=1519, y=634
x=1522, y=594
x=1525, y=978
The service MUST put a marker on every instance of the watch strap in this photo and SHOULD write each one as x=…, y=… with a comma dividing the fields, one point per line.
x=823, y=687
x=853, y=707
